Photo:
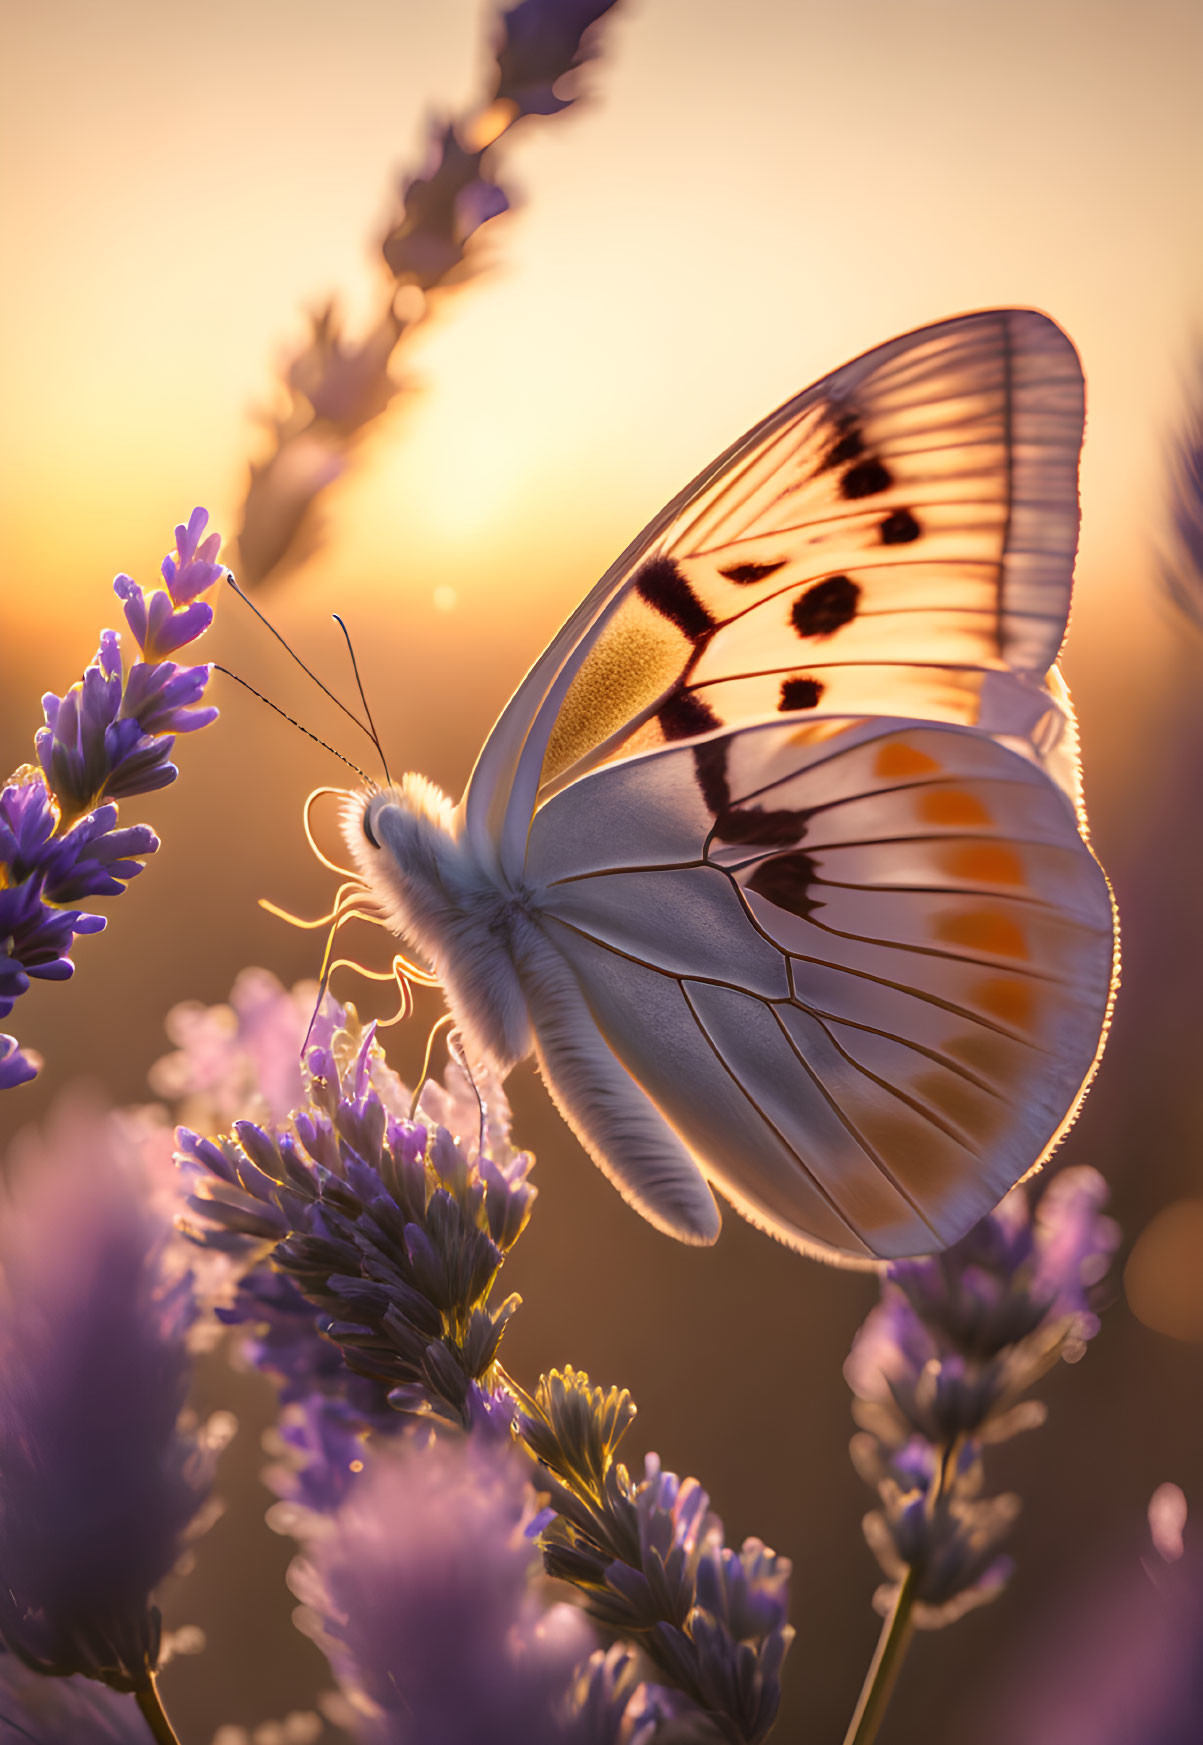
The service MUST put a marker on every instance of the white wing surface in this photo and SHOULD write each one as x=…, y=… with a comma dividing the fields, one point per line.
x=861, y=969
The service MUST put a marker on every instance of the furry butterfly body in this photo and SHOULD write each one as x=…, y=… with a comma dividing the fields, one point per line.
x=776, y=859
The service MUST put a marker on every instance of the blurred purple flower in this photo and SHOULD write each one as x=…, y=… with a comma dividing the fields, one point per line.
x=64, y=1711
x=335, y=386
x=100, y=1481
x=421, y=1592
x=540, y=43
x=1123, y=1660
x=238, y=1059
x=17, y=1066
x=939, y=1370
x=651, y=1562
x=1183, y=568
x=441, y=208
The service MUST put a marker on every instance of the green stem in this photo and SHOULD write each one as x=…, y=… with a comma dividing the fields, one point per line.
x=155, y=1715
x=879, y=1680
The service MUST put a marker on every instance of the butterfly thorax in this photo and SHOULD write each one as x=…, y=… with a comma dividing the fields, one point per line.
x=474, y=927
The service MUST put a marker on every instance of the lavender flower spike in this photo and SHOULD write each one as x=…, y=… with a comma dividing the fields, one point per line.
x=421, y=1593
x=939, y=1370
x=650, y=1560
x=107, y=738
x=100, y=1482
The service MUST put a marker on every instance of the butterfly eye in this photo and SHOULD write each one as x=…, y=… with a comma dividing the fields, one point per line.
x=367, y=826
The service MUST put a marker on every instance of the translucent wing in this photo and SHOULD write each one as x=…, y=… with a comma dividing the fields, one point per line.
x=857, y=972
x=896, y=540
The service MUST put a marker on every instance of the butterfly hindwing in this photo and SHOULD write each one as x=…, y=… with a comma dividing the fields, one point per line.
x=861, y=968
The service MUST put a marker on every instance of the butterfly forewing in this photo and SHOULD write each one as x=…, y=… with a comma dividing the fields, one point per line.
x=862, y=968
x=882, y=544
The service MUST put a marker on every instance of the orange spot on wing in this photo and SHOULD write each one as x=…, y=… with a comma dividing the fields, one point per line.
x=982, y=930
x=973, y=1112
x=952, y=806
x=984, y=863
x=1007, y=998
x=897, y=758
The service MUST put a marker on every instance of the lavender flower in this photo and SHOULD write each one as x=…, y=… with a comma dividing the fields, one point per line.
x=650, y=1560
x=612, y=1703
x=440, y=210
x=939, y=1370
x=100, y=1481
x=336, y=386
x=394, y=1233
x=17, y=1066
x=540, y=44
x=1183, y=570
x=63, y=1711
x=108, y=738
x=422, y=1593
x=239, y=1059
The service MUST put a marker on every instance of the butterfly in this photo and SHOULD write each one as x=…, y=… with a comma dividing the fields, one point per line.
x=776, y=859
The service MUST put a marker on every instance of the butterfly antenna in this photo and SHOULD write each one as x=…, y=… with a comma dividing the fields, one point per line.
x=375, y=737
x=289, y=650
x=442, y=1024
x=294, y=723
x=455, y=1047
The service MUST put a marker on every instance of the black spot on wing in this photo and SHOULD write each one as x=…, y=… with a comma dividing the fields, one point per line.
x=746, y=824
x=826, y=607
x=799, y=693
x=666, y=590
x=848, y=446
x=899, y=528
x=684, y=714
x=743, y=573
x=710, y=762
x=785, y=881
x=760, y=829
x=866, y=479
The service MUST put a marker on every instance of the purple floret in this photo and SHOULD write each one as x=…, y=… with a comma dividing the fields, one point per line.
x=17, y=1065
x=542, y=41
x=432, y=1613
x=99, y=1481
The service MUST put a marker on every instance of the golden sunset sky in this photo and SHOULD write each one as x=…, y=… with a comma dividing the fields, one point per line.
x=751, y=194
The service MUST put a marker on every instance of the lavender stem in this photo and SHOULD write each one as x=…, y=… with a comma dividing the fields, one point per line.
x=150, y=1703
x=887, y=1660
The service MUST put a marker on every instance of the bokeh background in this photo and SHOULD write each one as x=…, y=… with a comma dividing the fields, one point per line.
x=751, y=195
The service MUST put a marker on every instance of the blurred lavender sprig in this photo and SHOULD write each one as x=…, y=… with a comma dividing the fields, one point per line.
x=1182, y=566
x=101, y=1479
x=64, y=1711
x=336, y=386
x=939, y=1371
x=421, y=1591
x=110, y=737
x=651, y=1562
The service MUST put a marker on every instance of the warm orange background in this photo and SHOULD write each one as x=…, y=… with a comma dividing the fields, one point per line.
x=756, y=193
